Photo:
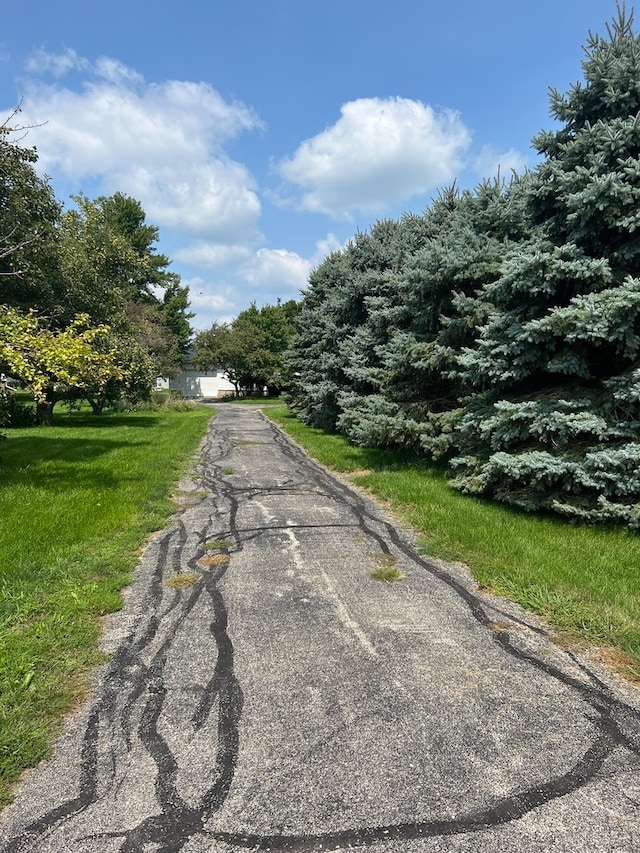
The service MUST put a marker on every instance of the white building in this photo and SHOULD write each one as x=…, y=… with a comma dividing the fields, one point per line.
x=201, y=383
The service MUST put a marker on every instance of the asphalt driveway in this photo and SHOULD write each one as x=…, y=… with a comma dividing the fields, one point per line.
x=265, y=693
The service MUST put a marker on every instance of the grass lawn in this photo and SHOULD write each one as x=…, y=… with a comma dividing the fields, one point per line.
x=583, y=580
x=77, y=500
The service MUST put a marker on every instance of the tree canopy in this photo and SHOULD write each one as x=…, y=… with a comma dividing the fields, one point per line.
x=87, y=279
x=251, y=349
x=29, y=213
x=500, y=330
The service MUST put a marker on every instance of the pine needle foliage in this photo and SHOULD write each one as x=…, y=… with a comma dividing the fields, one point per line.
x=554, y=421
x=500, y=329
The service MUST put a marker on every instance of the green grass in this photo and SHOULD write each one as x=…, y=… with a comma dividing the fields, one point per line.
x=386, y=570
x=583, y=580
x=217, y=544
x=77, y=501
x=386, y=574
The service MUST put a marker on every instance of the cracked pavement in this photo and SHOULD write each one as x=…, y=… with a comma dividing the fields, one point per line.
x=264, y=693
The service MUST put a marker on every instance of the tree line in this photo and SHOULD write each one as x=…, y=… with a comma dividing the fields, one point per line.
x=499, y=331
x=88, y=307
x=251, y=348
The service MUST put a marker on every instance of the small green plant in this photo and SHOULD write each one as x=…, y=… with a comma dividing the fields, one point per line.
x=217, y=544
x=387, y=570
x=183, y=580
x=228, y=471
x=14, y=412
x=386, y=574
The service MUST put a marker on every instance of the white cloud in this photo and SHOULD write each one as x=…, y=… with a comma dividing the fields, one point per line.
x=210, y=199
x=379, y=153
x=265, y=274
x=211, y=302
x=211, y=255
x=491, y=161
x=163, y=143
x=201, y=295
x=324, y=247
x=276, y=268
x=57, y=64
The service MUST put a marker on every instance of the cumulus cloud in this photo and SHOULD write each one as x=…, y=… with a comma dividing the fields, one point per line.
x=263, y=275
x=491, y=161
x=211, y=255
x=56, y=64
x=379, y=153
x=211, y=302
x=324, y=247
x=202, y=295
x=163, y=143
x=276, y=268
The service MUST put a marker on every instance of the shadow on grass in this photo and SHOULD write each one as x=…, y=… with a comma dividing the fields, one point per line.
x=47, y=462
x=250, y=401
x=373, y=458
x=104, y=421
x=350, y=457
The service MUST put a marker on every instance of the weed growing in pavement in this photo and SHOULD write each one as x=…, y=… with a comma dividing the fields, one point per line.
x=387, y=574
x=182, y=580
x=214, y=560
x=217, y=544
x=387, y=570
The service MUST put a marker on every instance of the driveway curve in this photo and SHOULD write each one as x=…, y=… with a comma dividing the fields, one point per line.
x=265, y=693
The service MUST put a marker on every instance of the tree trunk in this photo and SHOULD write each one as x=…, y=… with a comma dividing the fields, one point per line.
x=97, y=405
x=44, y=412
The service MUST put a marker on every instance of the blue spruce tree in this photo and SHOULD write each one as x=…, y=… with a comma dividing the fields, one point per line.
x=553, y=420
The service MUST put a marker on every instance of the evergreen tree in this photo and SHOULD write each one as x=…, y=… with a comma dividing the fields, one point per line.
x=329, y=310
x=417, y=333
x=554, y=422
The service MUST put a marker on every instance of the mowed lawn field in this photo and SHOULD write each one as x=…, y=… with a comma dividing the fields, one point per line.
x=77, y=502
x=585, y=581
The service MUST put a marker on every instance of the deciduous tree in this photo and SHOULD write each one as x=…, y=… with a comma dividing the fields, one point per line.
x=250, y=350
x=29, y=273
x=57, y=364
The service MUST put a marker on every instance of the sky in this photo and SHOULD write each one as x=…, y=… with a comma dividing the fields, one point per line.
x=260, y=135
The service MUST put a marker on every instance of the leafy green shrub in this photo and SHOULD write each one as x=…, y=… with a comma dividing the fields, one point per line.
x=15, y=414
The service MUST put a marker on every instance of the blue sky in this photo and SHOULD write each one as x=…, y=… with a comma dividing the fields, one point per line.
x=261, y=134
